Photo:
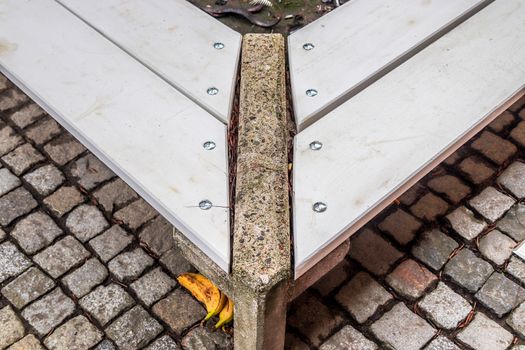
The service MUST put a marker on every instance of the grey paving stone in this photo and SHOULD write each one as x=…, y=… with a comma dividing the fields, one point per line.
x=476, y=170
x=130, y=265
x=291, y=342
x=29, y=342
x=513, y=223
x=333, y=279
x=442, y=343
x=8, y=181
x=63, y=149
x=61, y=256
x=106, y=302
x=179, y=310
x=450, y=186
x=136, y=214
x=400, y=225
x=12, y=261
x=496, y=247
x=89, y=171
x=364, y=249
x=500, y=294
x=11, y=99
x=27, y=115
x=175, y=262
x=467, y=270
x=11, y=328
x=43, y=131
x=27, y=287
x=445, y=307
x=114, y=195
x=48, y=312
x=4, y=83
x=105, y=345
x=518, y=133
x=22, y=158
x=502, y=122
x=516, y=268
x=111, y=242
x=85, y=222
x=519, y=347
x=401, y=329
x=494, y=147
x=410, y=279
x=45, y=179
x=10, y=139
x=348, y=338
x=516, y=320
x=484, y=334
x=491, y=203
x=82, y=280
x=513, y=179
x=518, y=105
x=3, y=235
x=434, y=248
x=313, y=319
x=157, y=235
x=15, y=204
x=134, y=329
x=207, y=338
x=76, y=334
x=362, y=296
x=152, y=286
x=164, y=343
x=412, y=194
x=465, y=223
x=429, y=207
x=63, y=200
x=35, y=231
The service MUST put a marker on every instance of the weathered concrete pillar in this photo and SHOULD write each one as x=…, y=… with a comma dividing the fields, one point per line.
x=261, y=267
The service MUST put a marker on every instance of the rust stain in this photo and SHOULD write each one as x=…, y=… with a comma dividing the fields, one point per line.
x=7, y=47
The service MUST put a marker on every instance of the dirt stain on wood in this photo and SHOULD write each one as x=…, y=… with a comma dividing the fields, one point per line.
x=7, y=47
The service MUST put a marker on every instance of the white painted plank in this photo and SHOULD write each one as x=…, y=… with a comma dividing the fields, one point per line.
x=146, y=131
x=520, y=250
x=360, y=41
x=388, y=136
x=176, y=40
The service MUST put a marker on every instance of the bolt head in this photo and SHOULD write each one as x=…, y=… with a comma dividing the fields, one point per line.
x=218, y=45
x=316, y=145
x=308, y=46
x=319, y=207
x=311, y=92
x=212, y=91
x=209, y=145
x=205, y=204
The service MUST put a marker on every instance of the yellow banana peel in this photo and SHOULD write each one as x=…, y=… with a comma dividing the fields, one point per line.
x=226, y=314
x=204, y=291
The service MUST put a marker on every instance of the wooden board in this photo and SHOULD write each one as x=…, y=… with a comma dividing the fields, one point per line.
x=388, y=136
x=144, y=129
x=359, y=42
x=174, y=39
x=520, y=250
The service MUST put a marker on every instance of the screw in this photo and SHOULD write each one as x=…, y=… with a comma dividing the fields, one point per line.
x=218, y=45
x=320, y=207
x=311, y=92
x=316, y=145
x=212, y=91
x=308, y=46
x=205, y=204
x=208, y=145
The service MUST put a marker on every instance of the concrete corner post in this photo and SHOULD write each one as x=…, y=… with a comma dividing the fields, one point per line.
x=261, y=269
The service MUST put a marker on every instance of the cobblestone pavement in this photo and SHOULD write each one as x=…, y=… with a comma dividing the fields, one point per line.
x=86, y=264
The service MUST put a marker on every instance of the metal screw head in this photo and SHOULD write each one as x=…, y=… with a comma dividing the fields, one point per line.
x=218, y=45
x=311, y=92
x=212, y=91
x=319, y=207
x=208, y=145
x=308, y=46
x=316, y=145
x=205, y=204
